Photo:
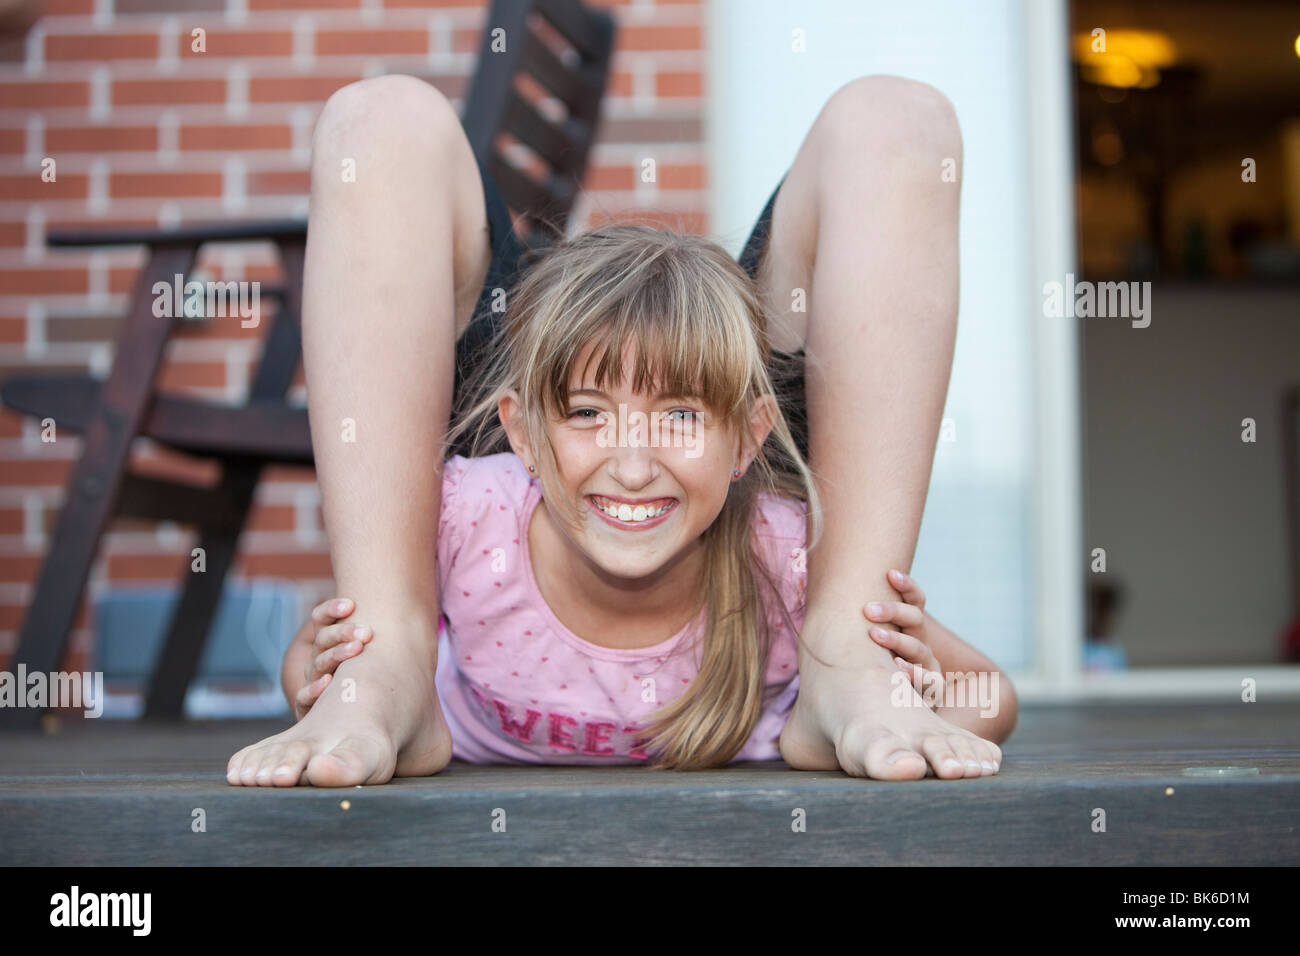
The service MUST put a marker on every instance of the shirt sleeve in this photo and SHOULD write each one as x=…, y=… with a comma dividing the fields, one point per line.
x=451, y=535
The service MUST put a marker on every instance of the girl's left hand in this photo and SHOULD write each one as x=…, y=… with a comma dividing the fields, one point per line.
x=908, y=643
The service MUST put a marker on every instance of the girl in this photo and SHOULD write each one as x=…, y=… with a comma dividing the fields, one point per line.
x=395, y=260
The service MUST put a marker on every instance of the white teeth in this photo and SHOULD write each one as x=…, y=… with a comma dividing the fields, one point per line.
x=626, y=512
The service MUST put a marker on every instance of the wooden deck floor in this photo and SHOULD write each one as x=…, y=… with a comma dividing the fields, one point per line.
x=114, y=793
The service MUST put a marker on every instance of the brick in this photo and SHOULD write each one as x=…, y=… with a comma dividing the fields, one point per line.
x=309, y=564
x=223, y=43
x=237, y=136
x=13, y=235
x=647, y=38
x=372, y=42
x=11, y=617
x=296, y=89
x=289, y=182
x=49, y=95
x=34, y=472
x=19, y=568
x=82, y=329
x=652, y=130
x=269, y=518
x=99, y=139
x=610, y=177
x=134, y=185
x=11, y=425
x=429, y=4
x=100, y=47
x=172, y=92
x=682, y=176
x=13, y=49
x=11, y=522
x=180, y=376
x=621, y=83
x=691, y=223
x=688, y=83
x=255, y=6
x=44, y=281
x=29, y=187
x=67, y=8
x=169, y=6
x=12, y=332
x=147, y=567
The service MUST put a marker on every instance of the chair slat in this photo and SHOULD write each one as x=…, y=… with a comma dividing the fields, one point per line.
x=576, y=25
x=559, y=145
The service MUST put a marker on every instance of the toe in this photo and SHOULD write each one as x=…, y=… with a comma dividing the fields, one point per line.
x=890, y=757
x=352, y=761
x=267, y=763
x=945, y=762
x=961, y=746
x=288, y=769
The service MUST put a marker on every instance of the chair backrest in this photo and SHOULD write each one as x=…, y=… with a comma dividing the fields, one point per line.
x=566, y=49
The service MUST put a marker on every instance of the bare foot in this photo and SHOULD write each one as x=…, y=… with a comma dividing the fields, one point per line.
x=379, y=717
x=851, y=717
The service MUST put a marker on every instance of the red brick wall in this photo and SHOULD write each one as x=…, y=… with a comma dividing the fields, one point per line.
x=143, y=131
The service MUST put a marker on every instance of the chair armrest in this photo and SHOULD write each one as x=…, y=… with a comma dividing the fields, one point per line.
x=199, y=232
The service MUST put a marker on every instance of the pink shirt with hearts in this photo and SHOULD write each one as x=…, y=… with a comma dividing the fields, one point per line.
x=517, y=686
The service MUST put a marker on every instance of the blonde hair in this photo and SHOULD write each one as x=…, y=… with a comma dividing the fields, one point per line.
x=696, y=320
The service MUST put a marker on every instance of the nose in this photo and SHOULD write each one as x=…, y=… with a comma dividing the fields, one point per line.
x=634, y=467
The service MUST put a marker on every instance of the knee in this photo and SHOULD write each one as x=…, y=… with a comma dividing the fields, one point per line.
x=395, y=106
x=891, y=113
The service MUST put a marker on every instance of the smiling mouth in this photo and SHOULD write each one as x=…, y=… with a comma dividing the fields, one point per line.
x=643, y=511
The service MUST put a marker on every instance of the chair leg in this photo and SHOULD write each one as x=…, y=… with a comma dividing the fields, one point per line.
x=201, y=592
x=193, y=618
x=90, y=496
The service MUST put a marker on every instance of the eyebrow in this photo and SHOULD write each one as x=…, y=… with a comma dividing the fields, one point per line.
x=599, y=394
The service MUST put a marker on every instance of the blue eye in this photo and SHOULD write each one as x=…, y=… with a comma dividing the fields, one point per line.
x=685, y=411
x=577, y=412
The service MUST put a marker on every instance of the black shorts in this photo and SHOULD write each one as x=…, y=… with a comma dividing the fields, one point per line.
x=508, y=253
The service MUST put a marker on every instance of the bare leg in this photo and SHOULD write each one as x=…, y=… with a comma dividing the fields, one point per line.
x=867, y=225
x=396, y=256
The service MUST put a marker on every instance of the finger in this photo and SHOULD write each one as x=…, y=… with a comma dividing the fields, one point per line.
x=902, y=615
x=906, y=585
x=903, y=645
x=329, y=661
x=308, y=694
x=328, y=637
x=331, y=610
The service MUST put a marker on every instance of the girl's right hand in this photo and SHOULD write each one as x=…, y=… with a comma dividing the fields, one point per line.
x=336, y=640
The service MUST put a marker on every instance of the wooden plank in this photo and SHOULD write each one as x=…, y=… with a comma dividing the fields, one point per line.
x=114, y=793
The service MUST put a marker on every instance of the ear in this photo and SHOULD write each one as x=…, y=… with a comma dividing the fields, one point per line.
x=510, y=411
x=763, y=419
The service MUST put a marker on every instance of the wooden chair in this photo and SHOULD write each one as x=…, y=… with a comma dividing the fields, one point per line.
x=265, y=429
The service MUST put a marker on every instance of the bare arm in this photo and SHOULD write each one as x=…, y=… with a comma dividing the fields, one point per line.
x=293, y=672
x=955, y=656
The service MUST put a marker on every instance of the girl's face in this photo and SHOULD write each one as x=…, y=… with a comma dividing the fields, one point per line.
x=647, y=473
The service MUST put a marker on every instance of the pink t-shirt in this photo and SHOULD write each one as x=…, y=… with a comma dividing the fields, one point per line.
x=517, y=686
